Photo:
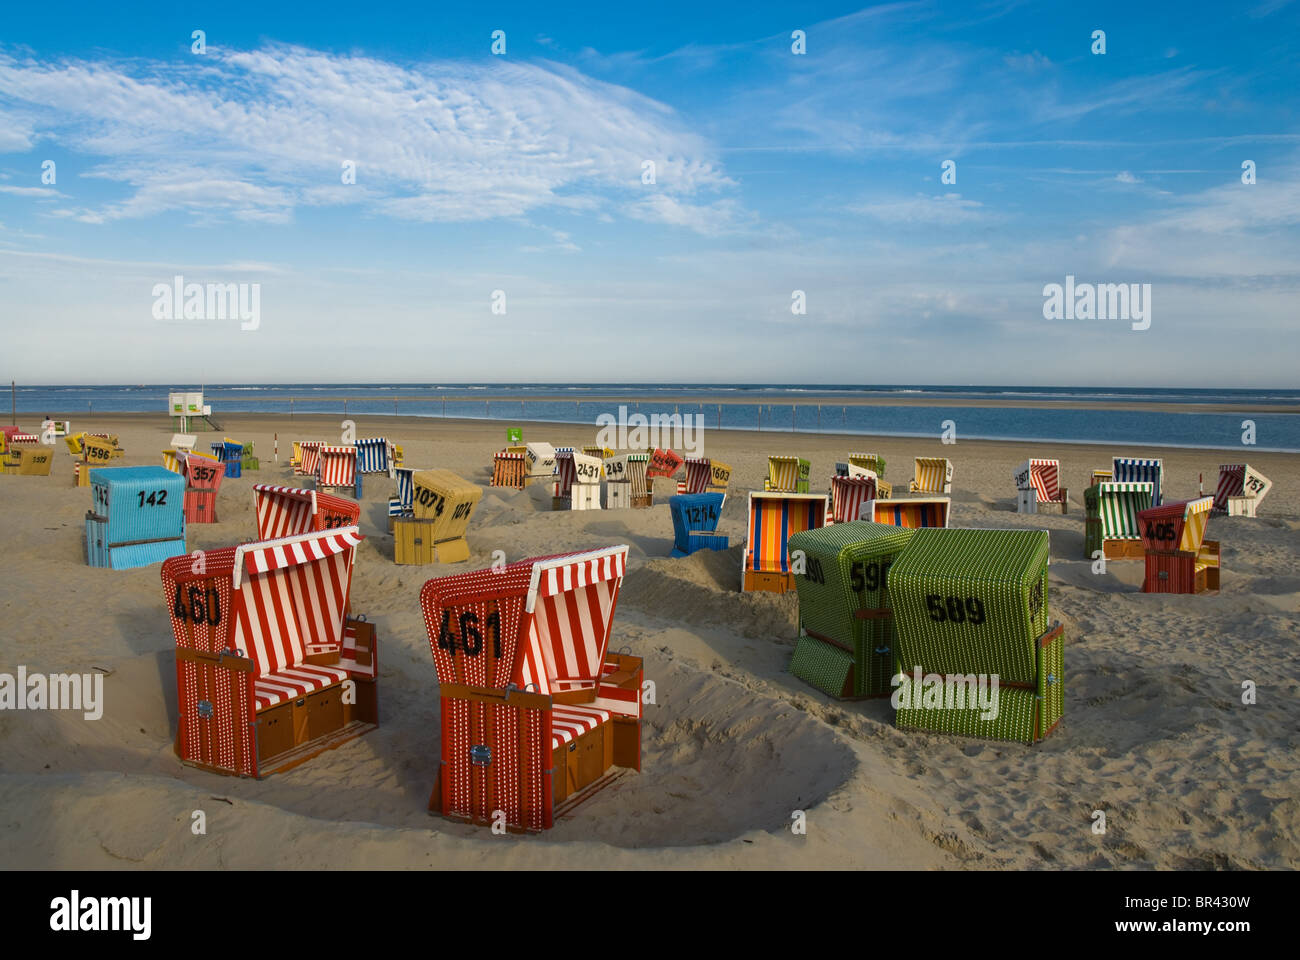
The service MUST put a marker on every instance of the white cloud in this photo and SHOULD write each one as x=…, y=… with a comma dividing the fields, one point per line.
x=250, y=135
x=1125, y=177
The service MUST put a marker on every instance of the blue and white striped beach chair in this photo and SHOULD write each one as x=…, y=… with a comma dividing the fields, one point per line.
x=1133, y=470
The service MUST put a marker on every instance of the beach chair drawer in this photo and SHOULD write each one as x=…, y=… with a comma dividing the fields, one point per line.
x=275, y=731
x=325, y=711
x=588, y=757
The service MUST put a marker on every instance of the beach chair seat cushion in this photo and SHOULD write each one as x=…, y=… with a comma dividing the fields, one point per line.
x=292, y=682
x=569, y=722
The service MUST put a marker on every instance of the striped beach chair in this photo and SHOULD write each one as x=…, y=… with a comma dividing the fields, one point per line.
x=913, y=513
x=1038, y=489
x=308, y=452
x=773, y=518
x=872, y=463
x=202, y=483
x=508, y=470
x=442, y=505
x=577, y=484
x=695, y=523
x=787, y=475
x=376, y=455
x=970, y=609
x=663, y=463
x=1241, y=490
x=1134, y=470
x=402, y=504
x=291, y=511
x=599, y=452
x=848, y=494
x=1111, y=518
x=336, y=467
x=706, y=475
x=846, y=631
x=232, y=455
x=932, y=475
x=261, y=630
x=1178, y=557
x=627, y=484
x=536, y=711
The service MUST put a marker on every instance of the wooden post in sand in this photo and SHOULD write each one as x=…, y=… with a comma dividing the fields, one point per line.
x=13, y=403
x=277, y=449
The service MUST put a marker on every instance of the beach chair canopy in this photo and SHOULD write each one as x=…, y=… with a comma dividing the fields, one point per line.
x=539, y=459
x=773, y=518
x=788, y=474
x=308, y=456
x=873, y=462
x=629, y=468
x=1133, y=470
x=542, y=624
x=1117, y=504
x=1179, y=525
x=508, y=470
x=1240, y=480
x=704, y=474
x=403, y=503
x=290, y=511
x=912, y=513
x=375, y=455
x=663, y=463
x=140, y=503
x=846, y=573
x=32, y=461
x=445, y=498
x=933, y=475
x=200, y=473
x=572, y=467
x=694, y=513
x=848, y=494
x=971, y=601
x=337, y=466
x=1041, y=476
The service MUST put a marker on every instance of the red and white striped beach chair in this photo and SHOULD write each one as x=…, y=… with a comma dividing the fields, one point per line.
x=336, y=468
x=705, y=475
x=308, y=457
x=260, y=631
x=1038, y=489
x=535, y=709
x=289, y=511
x=848, y=494
x=1241, y=490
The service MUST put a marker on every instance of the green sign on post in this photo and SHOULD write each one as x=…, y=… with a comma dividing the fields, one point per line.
x=515, y=435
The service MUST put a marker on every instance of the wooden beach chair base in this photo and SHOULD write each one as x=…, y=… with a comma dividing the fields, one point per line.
x=1181, y=571
x=768, y=581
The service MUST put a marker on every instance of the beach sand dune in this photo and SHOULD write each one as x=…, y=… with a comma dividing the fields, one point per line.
x=1155, y=731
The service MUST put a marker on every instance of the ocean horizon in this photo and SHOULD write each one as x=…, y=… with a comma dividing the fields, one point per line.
x=831, y=408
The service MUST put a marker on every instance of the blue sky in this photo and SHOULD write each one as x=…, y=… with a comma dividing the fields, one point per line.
x=775, y=172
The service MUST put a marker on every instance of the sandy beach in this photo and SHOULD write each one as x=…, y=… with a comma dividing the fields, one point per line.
x=1155, y=732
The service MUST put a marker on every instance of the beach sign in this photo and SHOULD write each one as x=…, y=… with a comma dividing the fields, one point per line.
x=514, y=435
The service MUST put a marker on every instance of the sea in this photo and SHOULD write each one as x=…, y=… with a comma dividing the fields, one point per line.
x=833, y=408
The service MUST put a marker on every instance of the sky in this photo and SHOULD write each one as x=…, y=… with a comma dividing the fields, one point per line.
x=519, y=181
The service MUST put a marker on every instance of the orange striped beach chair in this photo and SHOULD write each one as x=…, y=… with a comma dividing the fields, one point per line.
x=773, y=517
